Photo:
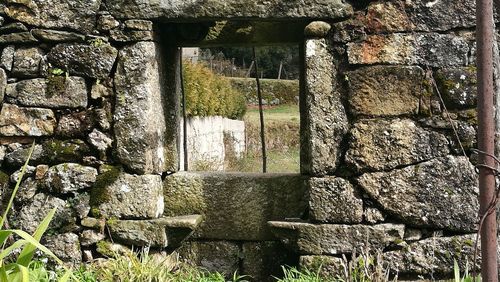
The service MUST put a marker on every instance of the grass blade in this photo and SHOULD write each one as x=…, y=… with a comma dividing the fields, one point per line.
x=27, y=253
x=18, y=183
x=8, y=250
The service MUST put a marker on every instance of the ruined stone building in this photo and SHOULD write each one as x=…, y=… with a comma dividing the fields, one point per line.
x=95, y=84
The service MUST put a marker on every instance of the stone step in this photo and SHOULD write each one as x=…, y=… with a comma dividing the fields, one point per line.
x=156, y=233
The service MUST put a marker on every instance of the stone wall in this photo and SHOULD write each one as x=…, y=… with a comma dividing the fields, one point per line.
x=95, y=84
x=212, y=142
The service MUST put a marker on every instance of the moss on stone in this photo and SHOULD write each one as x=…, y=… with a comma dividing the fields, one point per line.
x=99, y=194
x=56, y=84
x=4, y=178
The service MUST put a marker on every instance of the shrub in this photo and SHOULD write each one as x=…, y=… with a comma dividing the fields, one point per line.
x=208, y=94
x=273, y=90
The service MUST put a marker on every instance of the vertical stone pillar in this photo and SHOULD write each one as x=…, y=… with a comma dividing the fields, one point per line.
x=324, y=119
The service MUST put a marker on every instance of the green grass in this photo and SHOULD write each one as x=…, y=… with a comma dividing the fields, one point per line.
x=277, y=162
x=274, y=113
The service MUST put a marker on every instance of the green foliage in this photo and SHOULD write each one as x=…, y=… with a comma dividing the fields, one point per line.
x=21, y=270
x=466, y=277
x=210, y=95
x=294, y=275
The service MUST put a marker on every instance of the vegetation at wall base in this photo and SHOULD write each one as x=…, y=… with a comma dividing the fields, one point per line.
x=208, y=94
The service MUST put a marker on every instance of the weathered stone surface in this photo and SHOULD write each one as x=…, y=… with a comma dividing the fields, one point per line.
x=121, y=195
x=236, y=206
x=100, y=141
x=27, y=62
x=66, y=247
x=13, y=27
x=385, y=90
x=50, y=151
x=73, y=14
x=90, y=60
x=7, y=59
x=20, y=121
x=157, y=233
x=49, y=35
x=373, y=215
x=325, y=122
x=81, y=204
x=433, y=255
x=458, y=86
x=263, y=260
x=139, y=25
x=432, y=49
x=107, y=22
x=94, y=223
x=27, y=190
x=317, y=29
x=326, y=266
x=30, y=215
x=102, y=90
x=334, y=200
x=220, y=256
x=76, y=124
x=178, y=9
x=18, y=38
x=428, y=194
x=140, y=112
x=333, y=239
x=91, y=237
x=3, y=84
x=387, y=144
x=54, y=92
x=131, y=35
x=69, y=177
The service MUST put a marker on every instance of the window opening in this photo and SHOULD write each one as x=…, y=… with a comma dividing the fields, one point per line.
x=221, y=108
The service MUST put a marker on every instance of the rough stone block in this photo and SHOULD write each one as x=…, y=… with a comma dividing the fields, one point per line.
x=66, y=247
x=140, y=127
x=58, y=36
x=3, y=84
x=386, y=144
x=236, y=206
x=31, y=214
x=334, y=200
x=93, y=60
x=433, y=255
x=325, y=121
x=458, y=87
x=263, y=260
x=334, y=239
x=69, y=177
x=71, y=14
x=131, y=35
x=385, y=90
x=21, y=121
x=215, y=256
x=55, y=92
x=229, y=9
x=326, y=266
x=18, y=38
x=432, y=49
x=121, y=195
x=440, y=194
x=157, y=233
x=7, y=59
x=27, y=62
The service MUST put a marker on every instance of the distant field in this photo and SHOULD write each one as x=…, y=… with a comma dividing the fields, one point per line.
x=282, y=137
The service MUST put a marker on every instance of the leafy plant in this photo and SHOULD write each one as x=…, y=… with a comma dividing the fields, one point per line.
x=467, y=277
x=294, y=275
x=20, y=269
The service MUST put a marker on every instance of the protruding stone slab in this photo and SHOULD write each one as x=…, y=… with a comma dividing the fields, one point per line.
x=156, y=233
x=54, y=92
x=20, y=121
x=69, y=177
x=334, y=200
x=72, y=14
x=334, y=239
x=93, y=60
x=121, y=195
x=433, y=255
x=432, y=49
x=228, y=9
x=386, y=144
x=440, y=194
x=385, y=90
x=139, y=117
x=325, y=122
x=48, y=35
x=236, y=206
